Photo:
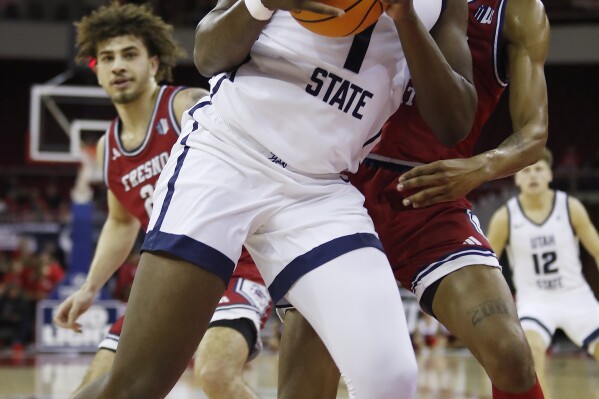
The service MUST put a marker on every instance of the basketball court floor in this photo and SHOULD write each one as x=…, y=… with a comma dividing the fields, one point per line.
x=445, y=374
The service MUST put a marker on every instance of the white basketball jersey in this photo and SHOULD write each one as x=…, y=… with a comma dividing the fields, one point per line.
x=544, y=257
x=317, y=103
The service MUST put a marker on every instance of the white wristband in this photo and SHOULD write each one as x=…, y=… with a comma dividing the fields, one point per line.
x=257, y=10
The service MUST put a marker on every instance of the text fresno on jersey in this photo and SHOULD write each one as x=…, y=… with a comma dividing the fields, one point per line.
x=145, y=171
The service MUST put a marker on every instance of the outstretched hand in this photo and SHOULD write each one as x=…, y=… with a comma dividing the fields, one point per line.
x=441, y=181
x=74, y=306
x=303, y=5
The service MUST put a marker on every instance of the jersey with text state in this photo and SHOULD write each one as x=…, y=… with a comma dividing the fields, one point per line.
x=544, y=257
x=407, y=139
x=132, y=174
x=317, y=103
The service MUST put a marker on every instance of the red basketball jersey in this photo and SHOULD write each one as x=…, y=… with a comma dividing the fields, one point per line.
x=406, y=137
x=132, y=174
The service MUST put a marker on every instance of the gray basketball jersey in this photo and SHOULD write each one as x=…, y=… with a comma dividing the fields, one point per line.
x=544, y=256
x=317, y=103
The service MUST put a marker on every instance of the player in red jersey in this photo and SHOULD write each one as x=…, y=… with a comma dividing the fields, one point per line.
x=133, y=50
x=433, y=241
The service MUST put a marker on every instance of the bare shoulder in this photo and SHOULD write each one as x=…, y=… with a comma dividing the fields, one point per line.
x=500, y=216
x=186, y=99
x=100, y=151
x=526, y=22
x=575, y=207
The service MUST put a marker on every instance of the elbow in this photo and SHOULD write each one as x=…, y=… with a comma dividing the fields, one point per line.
x=202, y=64
x=537, y=140
x=452, y=131
x=450, y=139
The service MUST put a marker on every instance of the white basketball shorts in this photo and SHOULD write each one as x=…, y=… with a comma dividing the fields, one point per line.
x=575, y=312
x=221, y=190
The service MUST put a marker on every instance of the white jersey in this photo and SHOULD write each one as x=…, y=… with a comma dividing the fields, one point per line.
x=317, y=103
x=544, y=257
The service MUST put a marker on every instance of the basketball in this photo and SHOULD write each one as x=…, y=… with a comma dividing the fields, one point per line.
x=359, y=15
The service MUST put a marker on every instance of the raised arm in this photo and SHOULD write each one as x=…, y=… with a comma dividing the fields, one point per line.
x=114, y=245
x=526, y=31
x=225, y=36
x=440, y=68
x=584, y=228
x=498, y=233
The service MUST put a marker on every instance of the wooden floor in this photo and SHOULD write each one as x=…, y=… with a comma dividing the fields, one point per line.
x=447, y=374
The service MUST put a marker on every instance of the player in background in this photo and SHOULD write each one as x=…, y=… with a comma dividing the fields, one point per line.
x=433, y=241
x=259, y=163
x=540, y=230
x=133, y=50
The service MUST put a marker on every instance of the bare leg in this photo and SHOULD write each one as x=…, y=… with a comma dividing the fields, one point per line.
x=306, y=369
x=100, y=365
x=219, y=364
x=475, y=304
x=171, y=304
x=539, y=354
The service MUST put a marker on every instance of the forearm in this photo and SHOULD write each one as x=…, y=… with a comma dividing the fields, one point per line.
x=445, y=99
x=224, y=37
x=519, y=150
x=114, y=245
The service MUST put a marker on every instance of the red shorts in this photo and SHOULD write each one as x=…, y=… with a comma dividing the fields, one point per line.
x=423, y=244
x=246, y=297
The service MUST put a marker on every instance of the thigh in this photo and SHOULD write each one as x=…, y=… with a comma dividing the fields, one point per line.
x=539, y=317
x=306, y=370
x=223, y=350
x=320, y=219
x=353, y=304
x=169, y=308
x=476, y=305
x=206, y=202
x=579, y=314
x=426, y=244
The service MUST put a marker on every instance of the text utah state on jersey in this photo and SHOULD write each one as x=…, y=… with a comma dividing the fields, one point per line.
x=347, y=95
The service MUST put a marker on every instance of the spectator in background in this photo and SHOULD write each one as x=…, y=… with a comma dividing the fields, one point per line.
x=15, y=318
x=9, y=9
x=48, y=273
x=15, y=273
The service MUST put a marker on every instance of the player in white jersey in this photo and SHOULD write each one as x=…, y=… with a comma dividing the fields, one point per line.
x=259, y=162
x=540, y=229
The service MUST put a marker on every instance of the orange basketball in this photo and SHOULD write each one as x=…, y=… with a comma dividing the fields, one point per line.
x=359, y=15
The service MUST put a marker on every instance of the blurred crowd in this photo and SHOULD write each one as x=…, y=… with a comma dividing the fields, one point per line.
x=26, y=277
x=32, y=202
x=177, y=12
x=187, y=12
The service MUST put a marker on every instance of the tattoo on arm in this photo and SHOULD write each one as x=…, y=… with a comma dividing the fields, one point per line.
x=487, y=309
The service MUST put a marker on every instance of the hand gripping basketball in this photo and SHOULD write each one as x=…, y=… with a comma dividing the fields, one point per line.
x=358, y=15
x=320, y=7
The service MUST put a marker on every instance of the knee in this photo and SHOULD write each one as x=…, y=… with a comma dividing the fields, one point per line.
x=214, y=380
x=509, y=358
x=397, y=379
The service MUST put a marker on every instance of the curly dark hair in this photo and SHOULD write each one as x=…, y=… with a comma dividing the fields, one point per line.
x=115, y=20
